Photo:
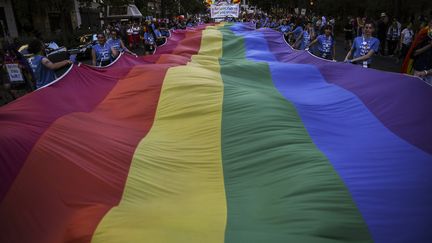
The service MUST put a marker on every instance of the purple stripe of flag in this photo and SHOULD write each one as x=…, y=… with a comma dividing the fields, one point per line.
x=406, y=114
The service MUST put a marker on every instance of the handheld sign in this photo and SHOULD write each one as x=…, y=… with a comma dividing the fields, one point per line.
x=15, y=75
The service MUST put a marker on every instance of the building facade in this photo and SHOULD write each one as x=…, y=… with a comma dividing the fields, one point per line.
x=8, y=27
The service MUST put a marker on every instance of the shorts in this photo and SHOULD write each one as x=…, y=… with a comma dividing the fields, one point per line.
x=130, y=39
x=133, y=39
x=136, y=39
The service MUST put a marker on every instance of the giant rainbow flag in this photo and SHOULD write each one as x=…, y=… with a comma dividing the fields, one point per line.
x=225, y=135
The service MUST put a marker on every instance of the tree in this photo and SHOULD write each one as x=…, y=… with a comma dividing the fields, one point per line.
x=192, y=6
x=32, y=15
x=176, y=7
x=397, y=8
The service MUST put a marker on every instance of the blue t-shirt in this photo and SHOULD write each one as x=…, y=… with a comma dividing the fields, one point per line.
x=264, y=23
x=363, y=45
x=165, y=33
x=297, y=32
x=116, y=44
x=42, y=74
x=148, y=37
x=157, y=33
x=325, y=46
x=305, y=40
x=103, y=53
x=285, y=28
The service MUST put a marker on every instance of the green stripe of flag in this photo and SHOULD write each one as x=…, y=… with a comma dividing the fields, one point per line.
x=279, y=186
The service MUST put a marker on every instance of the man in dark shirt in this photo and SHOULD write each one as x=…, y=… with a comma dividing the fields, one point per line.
x=423, y=57
x=383, y=25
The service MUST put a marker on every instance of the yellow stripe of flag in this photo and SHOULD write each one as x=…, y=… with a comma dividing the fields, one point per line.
x=175, y=188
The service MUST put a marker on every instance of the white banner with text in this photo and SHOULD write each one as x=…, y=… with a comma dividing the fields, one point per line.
x=226, y=10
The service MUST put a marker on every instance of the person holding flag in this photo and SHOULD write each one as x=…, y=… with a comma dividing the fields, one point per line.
x=422, y=55
x=102, y=52
x=419, y=44
x=117, y=43
x=149, y=40
x=306, y=37
x=42, y=67
x=364, y=47
x=326, y=44
x=285, y=28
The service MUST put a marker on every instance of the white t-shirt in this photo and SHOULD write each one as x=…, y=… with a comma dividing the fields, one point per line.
x=408, y=36
x=136, y=30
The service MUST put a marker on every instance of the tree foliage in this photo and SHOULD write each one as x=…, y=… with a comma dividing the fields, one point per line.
x=192, y=6
x=173, y=7
x=397, y=8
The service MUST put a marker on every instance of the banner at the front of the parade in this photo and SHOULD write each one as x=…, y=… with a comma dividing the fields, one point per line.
x=227, y=134
x=223, y=1
x=224, y=8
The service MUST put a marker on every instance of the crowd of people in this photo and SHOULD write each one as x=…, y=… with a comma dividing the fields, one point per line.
x=130, y=36
x=363, y=39
x=37, y=70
